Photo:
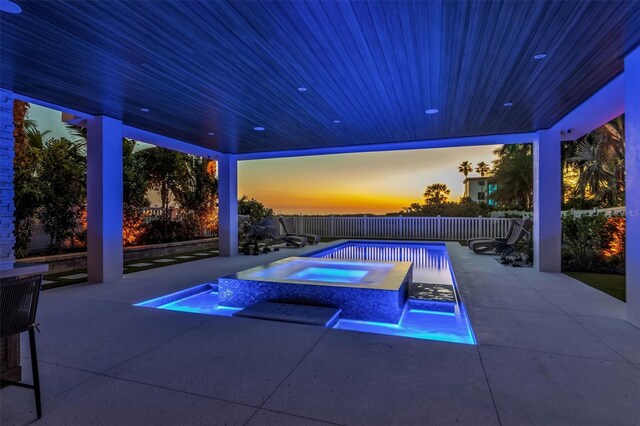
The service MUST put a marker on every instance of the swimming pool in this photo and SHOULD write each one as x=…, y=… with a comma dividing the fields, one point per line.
x=431, y=267
x=430, y=260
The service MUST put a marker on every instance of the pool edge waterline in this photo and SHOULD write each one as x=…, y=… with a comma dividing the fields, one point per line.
x=413, y=323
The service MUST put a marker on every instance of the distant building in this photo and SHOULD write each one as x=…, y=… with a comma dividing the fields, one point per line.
x=481, y=188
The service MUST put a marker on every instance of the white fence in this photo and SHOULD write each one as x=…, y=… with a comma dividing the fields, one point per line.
x=419, y=228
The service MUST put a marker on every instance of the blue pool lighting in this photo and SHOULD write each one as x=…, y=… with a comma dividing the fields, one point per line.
x=346, y=265
x=333, y=275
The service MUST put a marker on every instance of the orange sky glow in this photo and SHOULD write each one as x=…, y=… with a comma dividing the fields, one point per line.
x=374, y=183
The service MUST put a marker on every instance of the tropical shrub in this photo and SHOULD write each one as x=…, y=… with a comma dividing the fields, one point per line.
x=465, y=208
x=593, y=243
x=436, y=193
x=165, y=230
x=518, y=254
x=196, y=191
x=254, y=209
x=63, y=189
x=513, y=171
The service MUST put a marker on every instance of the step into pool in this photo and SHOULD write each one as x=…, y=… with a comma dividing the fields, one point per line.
x=370, y=281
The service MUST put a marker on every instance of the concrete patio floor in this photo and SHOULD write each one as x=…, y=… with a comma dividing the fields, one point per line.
x=551, y=351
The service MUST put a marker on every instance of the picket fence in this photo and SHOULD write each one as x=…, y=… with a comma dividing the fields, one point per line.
x=420, y=228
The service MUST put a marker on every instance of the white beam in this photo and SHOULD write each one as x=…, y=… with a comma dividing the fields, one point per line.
x=228, y=205
x=169, y=143
x=602, y=107
x=67, y=111
x=547, y=220
x=632, y=183
x=396, y=146
x=104, y=199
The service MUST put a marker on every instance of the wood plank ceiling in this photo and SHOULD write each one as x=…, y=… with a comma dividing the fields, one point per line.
x=227, y=67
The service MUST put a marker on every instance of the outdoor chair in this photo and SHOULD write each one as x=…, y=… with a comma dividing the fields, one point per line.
x=287, y=224
x=474, y=243
x=18, y=303
x=276, y=234
x=522, y=232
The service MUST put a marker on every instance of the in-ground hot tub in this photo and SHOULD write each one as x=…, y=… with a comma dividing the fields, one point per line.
x=363, y=289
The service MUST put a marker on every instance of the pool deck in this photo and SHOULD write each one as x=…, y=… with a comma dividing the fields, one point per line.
x=551, y=351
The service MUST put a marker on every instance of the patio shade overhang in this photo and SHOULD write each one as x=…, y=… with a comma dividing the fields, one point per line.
x=246, y=80
x=376, y=67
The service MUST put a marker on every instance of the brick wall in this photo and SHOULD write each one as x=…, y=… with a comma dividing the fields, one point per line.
x=7, y=239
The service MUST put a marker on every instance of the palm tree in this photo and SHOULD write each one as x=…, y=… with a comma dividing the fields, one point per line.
x=20, y=112
x=482, y=168
x=599, y=157
x=26, y=185
x=436, y=193
x=465, y=168
x=35, y=137
x=513, y=171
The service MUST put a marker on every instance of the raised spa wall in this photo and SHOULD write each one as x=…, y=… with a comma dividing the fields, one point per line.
x=364, y=304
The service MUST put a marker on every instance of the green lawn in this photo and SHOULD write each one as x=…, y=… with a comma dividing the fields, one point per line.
x=60, y=282
x=613, y=285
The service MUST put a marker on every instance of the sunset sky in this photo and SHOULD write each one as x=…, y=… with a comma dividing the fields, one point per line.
x=375, y=183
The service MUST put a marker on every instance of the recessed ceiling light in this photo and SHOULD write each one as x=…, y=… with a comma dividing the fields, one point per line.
x=258, y=128
x=144, y=109
x=302, y=89
x=9, y=7
x=540, y=56
x=211, y=133
x=336, y=121
x=508, y=104
x=431, y=111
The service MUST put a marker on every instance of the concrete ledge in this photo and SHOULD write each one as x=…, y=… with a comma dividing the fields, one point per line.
x=23, y=269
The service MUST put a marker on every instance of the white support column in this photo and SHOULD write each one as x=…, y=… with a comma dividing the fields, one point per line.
x=104, y=199
x=632, y=183
x=547, y=201
x=7, y=239
x=228, y=205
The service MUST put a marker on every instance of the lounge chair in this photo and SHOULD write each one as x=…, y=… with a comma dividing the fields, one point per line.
x=522, y=231
x=477, y=242
x=276, y=234
x=287, y=224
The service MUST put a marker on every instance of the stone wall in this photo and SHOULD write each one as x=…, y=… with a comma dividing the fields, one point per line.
x=7, y=238
x=73, y=261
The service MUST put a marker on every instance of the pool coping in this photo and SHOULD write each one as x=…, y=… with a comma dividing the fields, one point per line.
x=391, y=280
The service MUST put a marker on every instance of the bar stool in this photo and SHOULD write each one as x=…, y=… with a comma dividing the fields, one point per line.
x=18, y=303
